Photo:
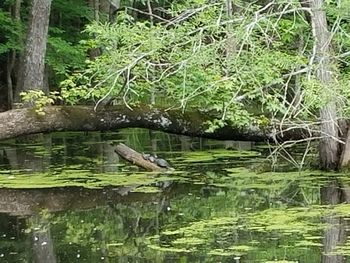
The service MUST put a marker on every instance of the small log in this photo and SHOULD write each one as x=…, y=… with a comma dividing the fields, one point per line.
x=136, y=158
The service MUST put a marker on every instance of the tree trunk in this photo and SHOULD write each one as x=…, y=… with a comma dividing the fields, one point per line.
x=31, y=75
x=329, y=155
x=105, y=8
x=114, y=6
x=231, y=44
x=12, y=56
x=95, y=5
x=25, y=121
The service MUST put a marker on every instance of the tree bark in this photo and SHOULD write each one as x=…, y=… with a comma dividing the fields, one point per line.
x=25, y=121
x=136, y=158
x=113, y=8
x=344, y=163
x=31, y=75
x=328, y=148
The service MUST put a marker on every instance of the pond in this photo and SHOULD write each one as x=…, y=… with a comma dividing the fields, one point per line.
x=68, y=197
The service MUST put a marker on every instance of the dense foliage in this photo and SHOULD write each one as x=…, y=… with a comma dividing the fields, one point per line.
x=257, y=59
x=242, y=60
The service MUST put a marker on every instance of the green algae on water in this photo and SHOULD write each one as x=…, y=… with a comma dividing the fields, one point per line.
x=212, y=155
x=80, y=178
x=147, y=189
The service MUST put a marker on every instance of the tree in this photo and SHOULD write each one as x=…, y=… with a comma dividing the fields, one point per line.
x=33, y=67
x=12, y=56
x=329, y=145
x=263, y=76
x=10, y=46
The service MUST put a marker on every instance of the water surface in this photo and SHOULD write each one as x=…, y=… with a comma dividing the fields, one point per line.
x=67, y=197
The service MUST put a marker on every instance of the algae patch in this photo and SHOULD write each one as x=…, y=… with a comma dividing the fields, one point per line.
x=213, y=155
x=81, y=178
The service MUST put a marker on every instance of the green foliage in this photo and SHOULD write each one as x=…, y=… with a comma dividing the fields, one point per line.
x=71, y=10
x=188, y=64
x=63, y=56
x=11, y=33
x=193, y=55
x=38, y=99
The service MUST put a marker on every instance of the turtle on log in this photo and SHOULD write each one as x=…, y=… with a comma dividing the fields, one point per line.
x=162, y=163
x=154, y=159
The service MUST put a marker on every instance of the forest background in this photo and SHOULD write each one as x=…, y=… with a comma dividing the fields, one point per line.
x=277, y=70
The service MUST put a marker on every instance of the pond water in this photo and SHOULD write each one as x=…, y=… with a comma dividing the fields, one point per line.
x=67, y=197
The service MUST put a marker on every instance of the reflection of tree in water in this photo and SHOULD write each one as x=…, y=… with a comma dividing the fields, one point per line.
x=100, y=224
x=103, y=224
x=43, y=245
x=332, y=194
x=32, y=153
x=117, y=223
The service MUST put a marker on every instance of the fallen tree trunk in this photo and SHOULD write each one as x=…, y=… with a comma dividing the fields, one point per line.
x=136, y=158
x=25, y=121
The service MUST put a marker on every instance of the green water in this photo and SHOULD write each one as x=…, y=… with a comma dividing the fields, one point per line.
x=67, y=197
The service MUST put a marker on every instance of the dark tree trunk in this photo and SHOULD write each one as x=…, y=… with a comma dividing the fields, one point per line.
x=31, y=75
x=329, y=154
x=12, y=57
x=113, y=9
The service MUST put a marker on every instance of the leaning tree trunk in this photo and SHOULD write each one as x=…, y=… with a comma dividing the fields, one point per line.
x=31, y=75
x=329, y=156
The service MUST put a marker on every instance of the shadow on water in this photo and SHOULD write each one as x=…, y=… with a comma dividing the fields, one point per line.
x=69, y=198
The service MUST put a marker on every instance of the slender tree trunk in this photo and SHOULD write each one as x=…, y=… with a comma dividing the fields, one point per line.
x=230, y=42
x=31, y=75
x=150, y=12
x=105, y=8
x=329, y=156
x=345, y=157
x=114, y=6
x=296, y=92
x=95, y=5
x=97, y=10
x=11, y=59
